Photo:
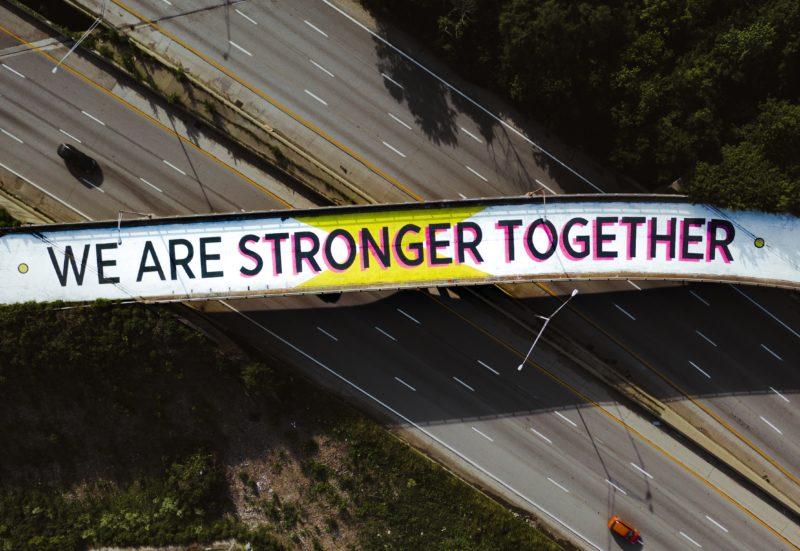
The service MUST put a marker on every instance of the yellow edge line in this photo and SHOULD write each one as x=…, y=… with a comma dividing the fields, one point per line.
x=151, y=119
x=616, y=419
x=275, y=103
x=674, y=385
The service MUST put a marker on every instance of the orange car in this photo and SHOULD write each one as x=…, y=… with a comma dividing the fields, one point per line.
x=625, y=530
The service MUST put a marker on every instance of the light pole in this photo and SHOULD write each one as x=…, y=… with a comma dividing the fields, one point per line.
x=83, y=36
x=546, y=321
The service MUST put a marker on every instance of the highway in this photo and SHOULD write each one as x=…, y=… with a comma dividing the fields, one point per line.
x=579, y=462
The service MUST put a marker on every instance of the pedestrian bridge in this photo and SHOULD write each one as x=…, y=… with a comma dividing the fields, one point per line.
x=445, y=243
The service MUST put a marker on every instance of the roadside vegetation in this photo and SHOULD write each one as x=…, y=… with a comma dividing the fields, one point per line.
x=121, y=425
x=6, y=221
x=702, y=90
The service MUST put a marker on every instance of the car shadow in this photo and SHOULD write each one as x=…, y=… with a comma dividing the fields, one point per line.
x=89, y=180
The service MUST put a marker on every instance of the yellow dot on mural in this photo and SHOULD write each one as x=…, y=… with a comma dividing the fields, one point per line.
x=759, y=242
x=23, y=268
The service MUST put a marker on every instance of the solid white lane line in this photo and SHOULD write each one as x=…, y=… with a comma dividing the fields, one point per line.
x=95, y=119
x=92, y=184
x=253, y=21
x=624, y=311
x=776, y=429
x=151, y=185
x=697, y=367
x=620, y=490
x=14, y=71
x=476, y=173
x=10, y=135
x=40, y=188
x=690, y=539
x=706, y=338
x=767, y=312
x=417, y=426
x=557, y=484
x=320, y=31
x=459, y=381
x=470, y=100
x=409, y=316
x=717, y=524
x=567, y=419
x=393, y=81
x=785, y=399
x=316, y=97
x=321, y=330
x=395, y=150
x=479, y=432
x=385, y=333
x=235, y=45
x=471, y=135
x=634, y=285
x=698, y=297
x=462, y=195
x=489, y=368
x=169, y=164
x=402, y=382
x=765, y=347
x=321, y=68
x=399, y=121
x=69, y=135
x=641, y=470
x=545, y=186
x=540, y=435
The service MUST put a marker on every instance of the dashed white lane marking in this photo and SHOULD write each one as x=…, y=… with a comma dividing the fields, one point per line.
x=67, y=134
x=462, y=195
x=92, y=184
x=14, y=71
x=784, y=398
x=545, y=186
x=717, y=524
x=620, y=490
x=321, y=330
x=316, y=97
x=641, y=470
x=459, y=381
x=321, y=68
x=690, y=539
x=235, y=45
x=698, y=297
x=253, y=21
x=567, y=419
x=40, y=188
x=395, y=149
x=167, y=2
x=320, y=31
x=151, y=185
x=476, y=173
x=557, y=484
x=634, y=285
x=397, y=119
x=765, y=347
x=402, y=382
x=10, y=135
x=767, y=312
x=417, y=426
x=479, y=432
x=540, y=435
x=393, y=81
x=489, y=368
x=409, y=316
x=773, y=427
x=624, y=311
x=385, y=333
x=95, y=119
x=697, y=367
x=709, y=341
x=470, y=134
x=169, y=164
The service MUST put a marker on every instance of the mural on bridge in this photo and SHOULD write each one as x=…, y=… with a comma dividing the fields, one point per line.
x=391, y=246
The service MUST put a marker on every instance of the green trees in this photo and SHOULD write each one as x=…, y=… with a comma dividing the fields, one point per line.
x=659, y=90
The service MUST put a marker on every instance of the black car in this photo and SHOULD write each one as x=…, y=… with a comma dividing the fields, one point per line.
x=77, y=159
